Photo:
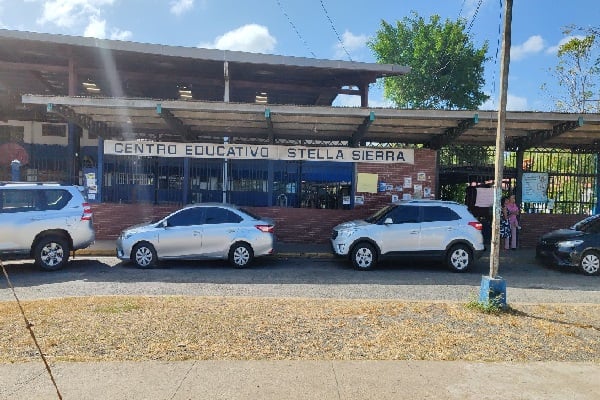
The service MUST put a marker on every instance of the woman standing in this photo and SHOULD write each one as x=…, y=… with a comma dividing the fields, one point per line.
x=511, y=213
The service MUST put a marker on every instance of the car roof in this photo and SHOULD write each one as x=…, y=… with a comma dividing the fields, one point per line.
x=212, y=204
x=427, y=202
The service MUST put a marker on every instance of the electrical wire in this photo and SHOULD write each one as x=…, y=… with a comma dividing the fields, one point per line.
x=335, y=30
x=289, y=19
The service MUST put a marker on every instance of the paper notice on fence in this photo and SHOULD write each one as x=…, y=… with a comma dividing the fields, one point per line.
x=485, y=197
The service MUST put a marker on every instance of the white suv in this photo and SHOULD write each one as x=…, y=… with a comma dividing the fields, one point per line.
x=45, y=221
x=417, y=229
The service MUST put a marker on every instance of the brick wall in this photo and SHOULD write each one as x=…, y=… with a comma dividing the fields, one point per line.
x=298, y=225
x=394, y=175
x=292, y=225
x=535, y=225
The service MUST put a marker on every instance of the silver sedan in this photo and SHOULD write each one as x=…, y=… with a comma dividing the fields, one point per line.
x=197, y=232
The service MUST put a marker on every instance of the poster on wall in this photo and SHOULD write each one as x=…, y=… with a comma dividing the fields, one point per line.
x=534, y=187
x=366, y=183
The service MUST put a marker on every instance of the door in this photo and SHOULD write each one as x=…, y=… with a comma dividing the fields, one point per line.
x=220, y=229
x=182, y=237
x=402, y=235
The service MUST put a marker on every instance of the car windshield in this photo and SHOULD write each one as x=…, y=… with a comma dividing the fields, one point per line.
x=377, y=216
x=589, y=224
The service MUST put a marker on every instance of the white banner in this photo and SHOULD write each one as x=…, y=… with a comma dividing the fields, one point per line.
x=259, y=152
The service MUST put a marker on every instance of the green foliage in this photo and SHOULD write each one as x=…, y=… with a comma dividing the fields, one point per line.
x=491, y=306
x=577, y=73
x=446, y=68
x=454, y=192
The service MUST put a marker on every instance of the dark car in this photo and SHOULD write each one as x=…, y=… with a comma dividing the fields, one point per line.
x=577, y=246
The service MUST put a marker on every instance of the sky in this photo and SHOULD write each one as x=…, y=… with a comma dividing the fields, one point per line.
x=323, y=29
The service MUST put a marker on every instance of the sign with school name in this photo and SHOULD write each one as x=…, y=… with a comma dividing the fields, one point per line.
x=232, y=151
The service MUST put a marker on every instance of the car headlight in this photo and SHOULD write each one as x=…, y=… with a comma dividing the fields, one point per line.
x=569, y=243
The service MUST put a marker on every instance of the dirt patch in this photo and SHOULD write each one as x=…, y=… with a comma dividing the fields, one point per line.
x=210, y=328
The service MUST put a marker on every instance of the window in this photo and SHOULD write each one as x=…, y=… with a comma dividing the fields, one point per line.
x=437, y=213
x=14, y=201
x=404, y=215
x=56, y=199
x=217, y=215
x=187, y=217
x=58, y=130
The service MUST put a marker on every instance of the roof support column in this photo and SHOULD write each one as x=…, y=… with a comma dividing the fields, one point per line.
x=73, y=132
x=226, y=138
x=364, y=95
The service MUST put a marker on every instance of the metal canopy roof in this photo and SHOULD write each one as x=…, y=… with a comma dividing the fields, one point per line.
x=212, y=121
x=125, y=72
x=42, y=63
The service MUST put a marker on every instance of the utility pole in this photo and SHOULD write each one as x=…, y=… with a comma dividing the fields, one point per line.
x=493, y=287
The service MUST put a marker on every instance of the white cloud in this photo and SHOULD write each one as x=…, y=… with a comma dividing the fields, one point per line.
x=554, y=49
x=178, y=7
x=252, y=38
x=513, y=103
x=516, y=103
x=351, y=43
x=117, y=34
x=66, y=13
x=96, y=28
x=533, y=45
x=346, y=100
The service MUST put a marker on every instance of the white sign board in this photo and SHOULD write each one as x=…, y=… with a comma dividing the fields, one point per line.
x=256, y=152
x=535, y=187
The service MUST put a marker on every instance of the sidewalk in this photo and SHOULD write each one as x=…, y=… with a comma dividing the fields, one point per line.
x=287, y=380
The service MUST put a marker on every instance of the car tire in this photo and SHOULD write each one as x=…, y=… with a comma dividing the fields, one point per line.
x=240, y=255
x=51, y=252
x=363, y=256
x=459, y=258
x=143, y=255
x=590, y=263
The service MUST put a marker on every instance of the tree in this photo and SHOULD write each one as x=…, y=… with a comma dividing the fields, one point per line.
x=446, y=67
x=577, y=73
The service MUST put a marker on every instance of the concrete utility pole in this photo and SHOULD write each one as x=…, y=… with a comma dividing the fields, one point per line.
x=494, y=286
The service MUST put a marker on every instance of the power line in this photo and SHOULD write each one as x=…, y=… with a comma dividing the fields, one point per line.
x=335, y=30
x=295, y=29
x=497, y=48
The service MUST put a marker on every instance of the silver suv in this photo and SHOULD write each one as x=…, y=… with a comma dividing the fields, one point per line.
x=417, y=229
x=44, y=221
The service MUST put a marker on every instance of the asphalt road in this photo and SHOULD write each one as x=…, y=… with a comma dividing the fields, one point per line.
x=527, y=282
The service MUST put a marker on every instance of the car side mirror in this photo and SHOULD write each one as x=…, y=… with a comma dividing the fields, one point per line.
x=388, y=221
x=164, y=223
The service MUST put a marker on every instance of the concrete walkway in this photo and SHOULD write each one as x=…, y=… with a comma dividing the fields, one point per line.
x=302, y=380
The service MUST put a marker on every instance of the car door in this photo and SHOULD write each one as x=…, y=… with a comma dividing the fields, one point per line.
x=438, y=228
x=182, y=235
x=402, y=235
x=220, y=229
x=21, y=218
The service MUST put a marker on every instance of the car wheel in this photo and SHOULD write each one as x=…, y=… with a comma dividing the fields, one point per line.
x=144, y=255
x=590, y=263
x=459, y=258
x=51, y=253
x=363, y=256
x=240, y=255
